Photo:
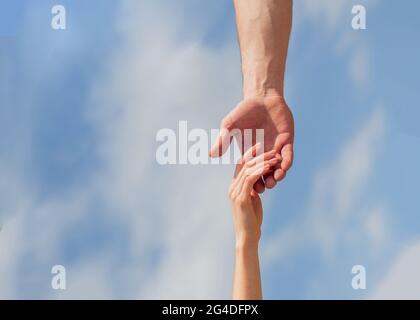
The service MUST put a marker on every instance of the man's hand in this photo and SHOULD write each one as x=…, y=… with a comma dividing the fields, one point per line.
x=263, y=31
x=271, y=114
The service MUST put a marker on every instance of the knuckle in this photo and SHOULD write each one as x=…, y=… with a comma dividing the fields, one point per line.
x=241, y=199
x=248, y=179
x=230, y=193
x=225, y=123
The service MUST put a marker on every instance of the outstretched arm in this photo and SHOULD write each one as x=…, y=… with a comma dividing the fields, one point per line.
x=247, y=214
x=263, y=31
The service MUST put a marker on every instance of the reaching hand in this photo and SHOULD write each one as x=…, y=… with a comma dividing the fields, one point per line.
x=246, y=203
x=271, y=114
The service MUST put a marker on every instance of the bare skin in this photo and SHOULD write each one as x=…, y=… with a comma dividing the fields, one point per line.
x=263, y=30
x=247, y=216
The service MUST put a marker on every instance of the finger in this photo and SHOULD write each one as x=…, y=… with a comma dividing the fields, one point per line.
x=250, y=178
x=261, y=158
x=242, y=165
x=222, y=143
x=236, y=186
x=279, y=174
x=287, y=155
x=246, y=157
x=277, y=166
x=261, y=168
x=254, y=175
x=270, y=162
x=269, y=180
x=239, y=172
x=256, y=172
x=252, y=152
x=238, y=169
x=247, y=167
x=259, y=186
x=239, y=181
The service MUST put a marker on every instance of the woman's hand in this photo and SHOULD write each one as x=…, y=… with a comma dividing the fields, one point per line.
x=246, y=203
x=247, y=215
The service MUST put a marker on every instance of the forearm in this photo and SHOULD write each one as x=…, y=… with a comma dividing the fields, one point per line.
x=263, y=31
x=247, y=279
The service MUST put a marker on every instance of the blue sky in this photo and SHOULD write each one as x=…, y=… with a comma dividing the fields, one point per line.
x=79, y=111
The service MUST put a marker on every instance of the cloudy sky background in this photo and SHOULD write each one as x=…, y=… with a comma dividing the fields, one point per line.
x=80, y=187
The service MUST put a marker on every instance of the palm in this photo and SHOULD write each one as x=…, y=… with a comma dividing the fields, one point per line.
x=273, y=116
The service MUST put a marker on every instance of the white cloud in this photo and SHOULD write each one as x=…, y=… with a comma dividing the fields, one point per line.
x=402, y=280
x=152, y=84
x=358, y=67
x=376, y=227
x=10, y=242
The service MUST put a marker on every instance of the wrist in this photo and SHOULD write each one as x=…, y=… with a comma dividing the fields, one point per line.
x=247, y=243
x=262, y=80
x=262, y=92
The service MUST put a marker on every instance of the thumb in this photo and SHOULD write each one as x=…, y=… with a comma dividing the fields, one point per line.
x=221, y=144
